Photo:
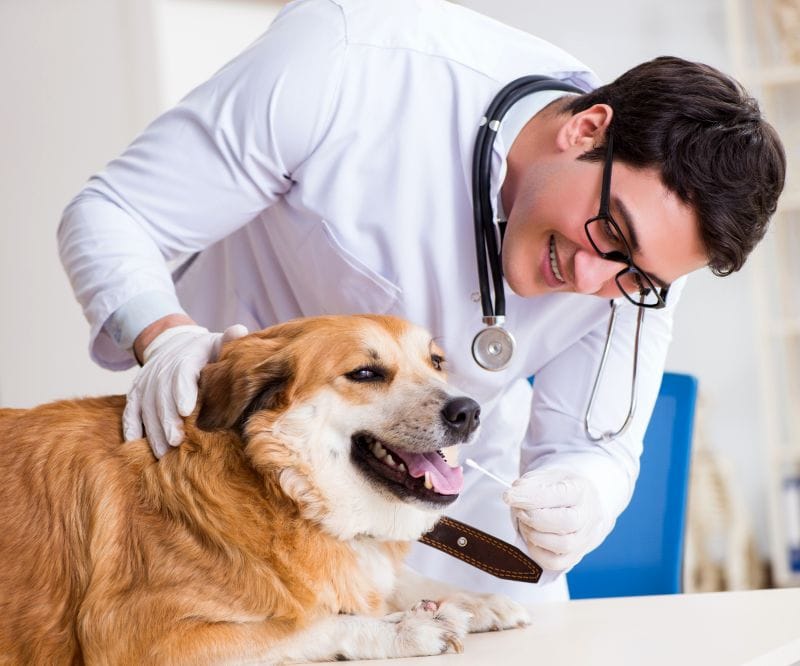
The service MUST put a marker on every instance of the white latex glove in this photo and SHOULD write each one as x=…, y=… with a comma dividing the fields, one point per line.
x=558, y=514
x=165, y=390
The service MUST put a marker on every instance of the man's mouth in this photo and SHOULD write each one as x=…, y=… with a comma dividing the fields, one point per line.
x=554, y=261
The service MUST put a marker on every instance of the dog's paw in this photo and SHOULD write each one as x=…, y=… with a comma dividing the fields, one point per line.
x=491, y=612
x=430, y=627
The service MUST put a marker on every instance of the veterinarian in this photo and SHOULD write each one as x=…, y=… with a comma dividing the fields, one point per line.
x=327, y=169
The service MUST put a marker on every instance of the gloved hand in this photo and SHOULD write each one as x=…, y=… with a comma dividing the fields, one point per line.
x=166, y=387
x=558, y=514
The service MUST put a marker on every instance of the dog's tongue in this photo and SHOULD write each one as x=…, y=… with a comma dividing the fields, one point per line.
x=446, y=480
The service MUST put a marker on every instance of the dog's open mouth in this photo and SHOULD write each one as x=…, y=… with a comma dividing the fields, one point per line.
x=425, y=476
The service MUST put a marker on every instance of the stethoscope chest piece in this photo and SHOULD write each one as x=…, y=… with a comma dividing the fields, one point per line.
x=493, y=347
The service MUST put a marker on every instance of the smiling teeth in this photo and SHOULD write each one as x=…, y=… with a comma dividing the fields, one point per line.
x=382, y=454
x=428, y=482
x=553, y=262
x=385, y=457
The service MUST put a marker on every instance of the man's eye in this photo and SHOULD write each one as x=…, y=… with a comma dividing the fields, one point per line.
x=365, y=375
x=610, y=231
x=638, y=282
x=438, y=361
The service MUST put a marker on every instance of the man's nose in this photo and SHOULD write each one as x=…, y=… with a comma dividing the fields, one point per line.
x=593, y=273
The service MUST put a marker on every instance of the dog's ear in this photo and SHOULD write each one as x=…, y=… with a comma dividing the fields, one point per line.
x=232, y=389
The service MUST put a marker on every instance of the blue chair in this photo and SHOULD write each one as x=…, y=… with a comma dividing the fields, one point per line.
x=644, y=552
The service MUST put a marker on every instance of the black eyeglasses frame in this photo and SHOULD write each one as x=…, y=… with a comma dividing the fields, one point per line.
x=646, y=283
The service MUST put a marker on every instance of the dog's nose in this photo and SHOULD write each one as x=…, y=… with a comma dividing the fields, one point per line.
x=462, y=415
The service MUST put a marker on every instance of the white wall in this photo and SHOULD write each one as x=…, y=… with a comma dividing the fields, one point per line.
x=76, y=87
x=196, y=37
x=80, y=78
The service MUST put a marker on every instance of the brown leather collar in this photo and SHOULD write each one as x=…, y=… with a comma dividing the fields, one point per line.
x=481, y=550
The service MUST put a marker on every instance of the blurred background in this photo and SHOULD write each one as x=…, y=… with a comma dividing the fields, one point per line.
x=82, y=77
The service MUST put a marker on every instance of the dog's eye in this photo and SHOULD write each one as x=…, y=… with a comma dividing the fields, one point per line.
x=438, y=361
x=366, y=374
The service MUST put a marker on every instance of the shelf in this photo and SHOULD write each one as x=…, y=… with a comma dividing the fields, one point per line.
x=757, y=30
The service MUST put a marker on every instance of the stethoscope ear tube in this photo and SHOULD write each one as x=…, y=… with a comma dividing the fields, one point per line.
x=493, y=347
x=607, y=436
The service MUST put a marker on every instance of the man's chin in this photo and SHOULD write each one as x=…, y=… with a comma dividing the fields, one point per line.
x=523, y=280
x=522, y=288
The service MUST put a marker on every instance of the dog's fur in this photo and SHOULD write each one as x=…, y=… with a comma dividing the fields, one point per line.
x=259, y=538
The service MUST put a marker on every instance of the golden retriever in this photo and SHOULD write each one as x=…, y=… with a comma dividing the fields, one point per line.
x=275, y=533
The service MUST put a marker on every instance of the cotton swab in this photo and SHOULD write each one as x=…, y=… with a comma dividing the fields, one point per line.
x=482, y=470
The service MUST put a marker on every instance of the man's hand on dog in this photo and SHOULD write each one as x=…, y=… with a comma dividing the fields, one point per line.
x=165, y=390
x=558, y=514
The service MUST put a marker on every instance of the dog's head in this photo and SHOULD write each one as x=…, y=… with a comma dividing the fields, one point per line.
x=350, y=415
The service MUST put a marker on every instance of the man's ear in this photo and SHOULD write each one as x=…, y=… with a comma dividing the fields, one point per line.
x=231, y=389
x=586, y=128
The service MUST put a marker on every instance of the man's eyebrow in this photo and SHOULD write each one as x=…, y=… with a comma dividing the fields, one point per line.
x=633, y=239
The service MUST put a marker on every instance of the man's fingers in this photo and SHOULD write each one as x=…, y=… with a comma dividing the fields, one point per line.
x=551, y=561
x=557, y=544
x=553, y=553
x=234, y=332
x=184, y=388
x=156, y=421
x=132, y=418
x=171, y=422
x=231, y=333
x=531, y=493
x=561, y=520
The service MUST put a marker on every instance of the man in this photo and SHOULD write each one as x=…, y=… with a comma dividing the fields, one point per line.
x=327, y=170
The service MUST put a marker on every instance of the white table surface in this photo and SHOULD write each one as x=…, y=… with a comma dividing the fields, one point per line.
x=757, y=628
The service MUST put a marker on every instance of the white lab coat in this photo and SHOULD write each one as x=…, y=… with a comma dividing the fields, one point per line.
x=327, y=170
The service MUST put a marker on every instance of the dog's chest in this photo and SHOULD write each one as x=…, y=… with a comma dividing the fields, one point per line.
x=363, y=586
x=377, y=565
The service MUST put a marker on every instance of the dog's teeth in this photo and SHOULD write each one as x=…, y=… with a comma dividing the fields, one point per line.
x=390, y=461
x=401, y=467
x=378, y=451
x=428, y=483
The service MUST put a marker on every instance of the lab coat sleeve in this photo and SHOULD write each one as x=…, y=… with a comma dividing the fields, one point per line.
x=202, y=169
x=556, y=438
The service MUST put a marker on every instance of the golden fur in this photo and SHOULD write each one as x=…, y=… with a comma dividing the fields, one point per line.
x=218, y=551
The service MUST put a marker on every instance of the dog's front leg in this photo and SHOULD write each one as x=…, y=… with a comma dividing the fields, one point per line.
x=426, y=629
x=488, y=612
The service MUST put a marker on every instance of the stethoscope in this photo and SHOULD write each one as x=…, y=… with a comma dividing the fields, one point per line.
x=493, y=346
x=608, y=435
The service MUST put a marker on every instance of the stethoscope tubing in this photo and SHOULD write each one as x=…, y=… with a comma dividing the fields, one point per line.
x=486, y=241
x=612, y=434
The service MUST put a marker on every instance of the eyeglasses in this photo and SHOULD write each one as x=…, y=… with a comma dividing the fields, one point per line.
x=608, y=241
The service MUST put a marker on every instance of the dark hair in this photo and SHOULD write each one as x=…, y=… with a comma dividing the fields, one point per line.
x=707, y=138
